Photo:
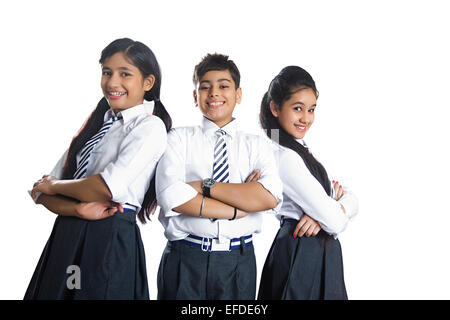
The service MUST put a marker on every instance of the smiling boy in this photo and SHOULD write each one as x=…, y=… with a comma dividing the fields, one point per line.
x=217, y=95
x=212, y=183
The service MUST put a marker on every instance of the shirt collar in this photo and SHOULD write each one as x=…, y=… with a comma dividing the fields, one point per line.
x=209, y=127
x=302, y=142
x=133, y=112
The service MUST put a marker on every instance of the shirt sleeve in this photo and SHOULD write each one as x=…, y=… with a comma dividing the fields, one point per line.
x=138, y=155
x=56, y=172
x=269, y=178
x=171, y=188
x=304, y=189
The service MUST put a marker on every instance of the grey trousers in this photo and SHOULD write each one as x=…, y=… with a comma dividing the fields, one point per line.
x=188, y=273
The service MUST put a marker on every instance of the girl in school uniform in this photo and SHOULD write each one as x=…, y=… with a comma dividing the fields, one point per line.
x=101, y=182
x=305, y=260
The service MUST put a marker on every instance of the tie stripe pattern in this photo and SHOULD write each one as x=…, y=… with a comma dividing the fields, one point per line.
x=221, y=172
x=89, y=146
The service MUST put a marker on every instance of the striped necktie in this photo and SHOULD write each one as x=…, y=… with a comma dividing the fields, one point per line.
x=221, y=170
x=89, y=146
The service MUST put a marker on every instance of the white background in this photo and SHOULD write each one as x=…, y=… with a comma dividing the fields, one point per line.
x=382, y=69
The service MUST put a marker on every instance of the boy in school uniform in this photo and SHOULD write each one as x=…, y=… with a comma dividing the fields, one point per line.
x=212, y=184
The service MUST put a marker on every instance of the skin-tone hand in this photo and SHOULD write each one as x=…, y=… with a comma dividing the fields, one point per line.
x=97, y=210
x=338, y=192
x=307, y=226
x=216, y=208
x=43, y=185
x=197, y=185
x=254, y=176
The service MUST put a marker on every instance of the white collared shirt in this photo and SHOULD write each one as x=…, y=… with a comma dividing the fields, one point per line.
x=189, y=157
x=126, y=157
x=302, y=193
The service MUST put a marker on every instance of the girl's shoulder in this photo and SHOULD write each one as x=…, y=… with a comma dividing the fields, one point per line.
x=254, y=139
x=184, y=135
x=185, y=131
x=145, y=123
x=288, y=156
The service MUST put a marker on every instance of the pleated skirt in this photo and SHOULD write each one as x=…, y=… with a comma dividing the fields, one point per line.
x=303, y=268
x=102, y=259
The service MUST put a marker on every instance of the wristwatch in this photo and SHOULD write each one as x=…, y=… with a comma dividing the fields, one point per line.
x=207, y=184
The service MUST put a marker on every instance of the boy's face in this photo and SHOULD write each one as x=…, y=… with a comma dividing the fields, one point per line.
x=216, y=96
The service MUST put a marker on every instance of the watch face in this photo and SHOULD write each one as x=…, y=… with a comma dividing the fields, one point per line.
x=208, y=182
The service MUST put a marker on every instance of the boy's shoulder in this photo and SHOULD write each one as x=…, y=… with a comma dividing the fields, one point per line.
x=252, y=137
x=184, y=132
x=255, y=142
x=188, y=132
x=185, y=129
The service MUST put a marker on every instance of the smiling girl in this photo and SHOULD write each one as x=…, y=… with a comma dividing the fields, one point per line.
x=109, y=167
x=305, y=260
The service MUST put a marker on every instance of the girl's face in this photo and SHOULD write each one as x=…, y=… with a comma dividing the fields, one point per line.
x=123, y=84
x=296, y=115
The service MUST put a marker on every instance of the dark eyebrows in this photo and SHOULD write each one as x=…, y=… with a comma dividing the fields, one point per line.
x=125, y=69
x=219, y=80
x=299, y=102
x=120, y=68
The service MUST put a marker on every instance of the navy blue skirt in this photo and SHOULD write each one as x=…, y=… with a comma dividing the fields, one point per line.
x=102, y=259
x=303, y=268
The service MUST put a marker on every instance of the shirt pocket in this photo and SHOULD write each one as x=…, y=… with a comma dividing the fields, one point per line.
x=199, y=162
x=244, y=164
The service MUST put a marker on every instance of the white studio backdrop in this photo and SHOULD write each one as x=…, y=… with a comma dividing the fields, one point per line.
x=382, y=71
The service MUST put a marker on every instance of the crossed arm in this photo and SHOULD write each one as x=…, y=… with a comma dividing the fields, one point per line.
x=88, y=189
x=177, y=194
x=249, y=196
x=87, y=198
x=307, y=226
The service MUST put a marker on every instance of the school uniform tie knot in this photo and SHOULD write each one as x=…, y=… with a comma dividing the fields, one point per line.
x=115, y=118
x=220, y=132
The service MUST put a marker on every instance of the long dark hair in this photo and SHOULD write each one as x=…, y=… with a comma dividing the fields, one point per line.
x=287, y=82
x=144, y=59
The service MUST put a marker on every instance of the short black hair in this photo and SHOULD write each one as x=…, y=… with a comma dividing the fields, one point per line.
x=216, y=62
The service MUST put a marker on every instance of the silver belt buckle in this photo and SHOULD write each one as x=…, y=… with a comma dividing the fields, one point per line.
x=217, y=246
x=205, y=244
